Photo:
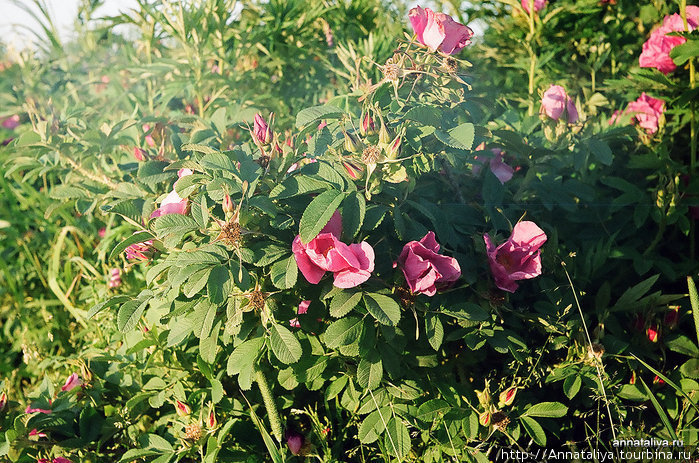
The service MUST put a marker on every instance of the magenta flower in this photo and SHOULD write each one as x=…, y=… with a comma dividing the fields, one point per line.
x=656, y=50
x=140, y=251
x=114, y=278
x=173, y=204
x=538, y=5
x=36, y=434
x=497, y=166
x=439, y=31
x=11, y=122
x=647, y=112
x=424, y=269
x=61, y=460
x=351, y=264
x=518, y=258
x=294, y=441
x=72, y=382
x=302, y=309
x=555, y=102
x=139, y=154
x=261, y=131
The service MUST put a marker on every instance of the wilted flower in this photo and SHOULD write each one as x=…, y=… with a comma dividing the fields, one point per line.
x=261, y=132
x=656, y=50
x=538, y=5
x=439, y=31
x=647, y=112
x=424, y=269
x=182, y=408
x=518, y=258
x=72, y=382
x=351, y=264
x=555, y=102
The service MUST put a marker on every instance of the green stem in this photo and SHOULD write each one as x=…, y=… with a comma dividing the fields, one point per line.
x=270, y=405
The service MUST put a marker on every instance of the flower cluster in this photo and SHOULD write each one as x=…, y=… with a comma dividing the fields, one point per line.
x=656, y=50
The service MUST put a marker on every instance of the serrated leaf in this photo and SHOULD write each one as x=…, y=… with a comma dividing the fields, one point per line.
x=343, y=332
x=373, y=425
x=353, y=211
x=343, y=303
x=318, y=214
x=434, y=329
x=285, y=345
x=218, y=286
x=243, y=355
x=203, y=318
x=370, y=371
x=547, y=410
x=172, y=227
x=425, y=115
x=534, y=429
x=397, y=439
x=111, y=302
x=180, y=328
x=601, y=151
x=432, y=409
x=130, y=313
x=571, y=386
x=208, y=344
x=460, y=137
x=196, y=282
x=383, y=308
x=284, y=273
x=315, y=113
x=218, y=161
x=297, y=185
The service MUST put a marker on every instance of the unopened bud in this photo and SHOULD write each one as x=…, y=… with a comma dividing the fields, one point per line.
x=507, y=396
x=384, y=136
x=351, y=143
x=367, y=127
x=3, y=400
x=483, y=397
x=353, y=170
x=211, y=420
x=484, y=419
x=182, y=408
x=227, y=203
x=394, y=148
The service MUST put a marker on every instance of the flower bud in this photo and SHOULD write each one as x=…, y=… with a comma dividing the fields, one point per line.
x=672, y=316
x=658, y=380
x=262, y=132
x=294, y=441
x=484, y=419
x=507, y=396
x=351, y=144
x=114, y=278
x=652, y=332
x=632, y=380
x=182, y=408
x=367, y=127
x=484, y=397
x=211, y=420
x=353, y=170
x=227, y=203
x=3, y=400
x=384, y=136
x=139, y=154
x=72, y=382
x=393, y=150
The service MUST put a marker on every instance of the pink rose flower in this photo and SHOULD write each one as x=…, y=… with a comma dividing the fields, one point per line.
x=656, y=50
x=302, y=309
x=518, y=258
x=29, y=410
x=351, y=265
x=424, y=269
x=140, y=251
x=439, y=31
x=497, y=166
x=646, y=112
x=261, y=130
x=173, y=204
x=556, y=101
x=61, y=460
x=10, y=123
x=139, y=154
x=72, y=382
x=538, y=5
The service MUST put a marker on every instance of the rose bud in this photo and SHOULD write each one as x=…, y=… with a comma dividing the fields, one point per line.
x=227, y=203
x=182, y=408
x=3, y=401
x=652, y=332
x=507, y=396
x=294, y=441
x=672, y=316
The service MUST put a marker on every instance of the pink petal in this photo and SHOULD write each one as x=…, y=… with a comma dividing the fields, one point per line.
x=310, y=270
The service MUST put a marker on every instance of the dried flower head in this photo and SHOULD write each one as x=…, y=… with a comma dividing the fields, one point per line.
x=371, y=154
x=257, y=300
x=192, y=432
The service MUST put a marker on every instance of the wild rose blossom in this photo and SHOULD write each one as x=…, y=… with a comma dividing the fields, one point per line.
x=518, y=258
x=424, y=269
x=656, y=50
x=647, y=112
x=351, y=265
x=11, y=122
x=439, y=31
x=555, y=102
x=173, y=204
x=538, y=5
x=72, y=382
x=140, y=251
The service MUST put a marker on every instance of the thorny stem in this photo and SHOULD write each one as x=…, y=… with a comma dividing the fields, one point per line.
x=270, y=405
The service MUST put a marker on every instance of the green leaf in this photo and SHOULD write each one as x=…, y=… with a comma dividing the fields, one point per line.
x=285, y=345
x=547, y=410
x=432, y=409
x=370, y=371
x=297, y=185
x=315, y=113
x=343, y=332
x=196, y=282
x=425, y=115
x=434, y=329
x=682, y=344
x=154, y=441
x=690, y=368
x=180, y=328
x=208, y=344
x=218, y=161
x=460, y=137
x=694, y=302
x=244, y=355
x=571, y=386
x=203, y=318
x=468, y=311
x=635, y=292
x=343, y=303
x=219, y=284
x=111, y=302
x=397, y=439
x=383, y=308
x=684, y=52
x=601, y=151
x=172, y=227
x=354, y=209
x=284, y=273
x=534, y=429
x=138, y=237
x=218, y=119
x=373, y=425
x=660, y=410
x=318, y=213
x=130, y=313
